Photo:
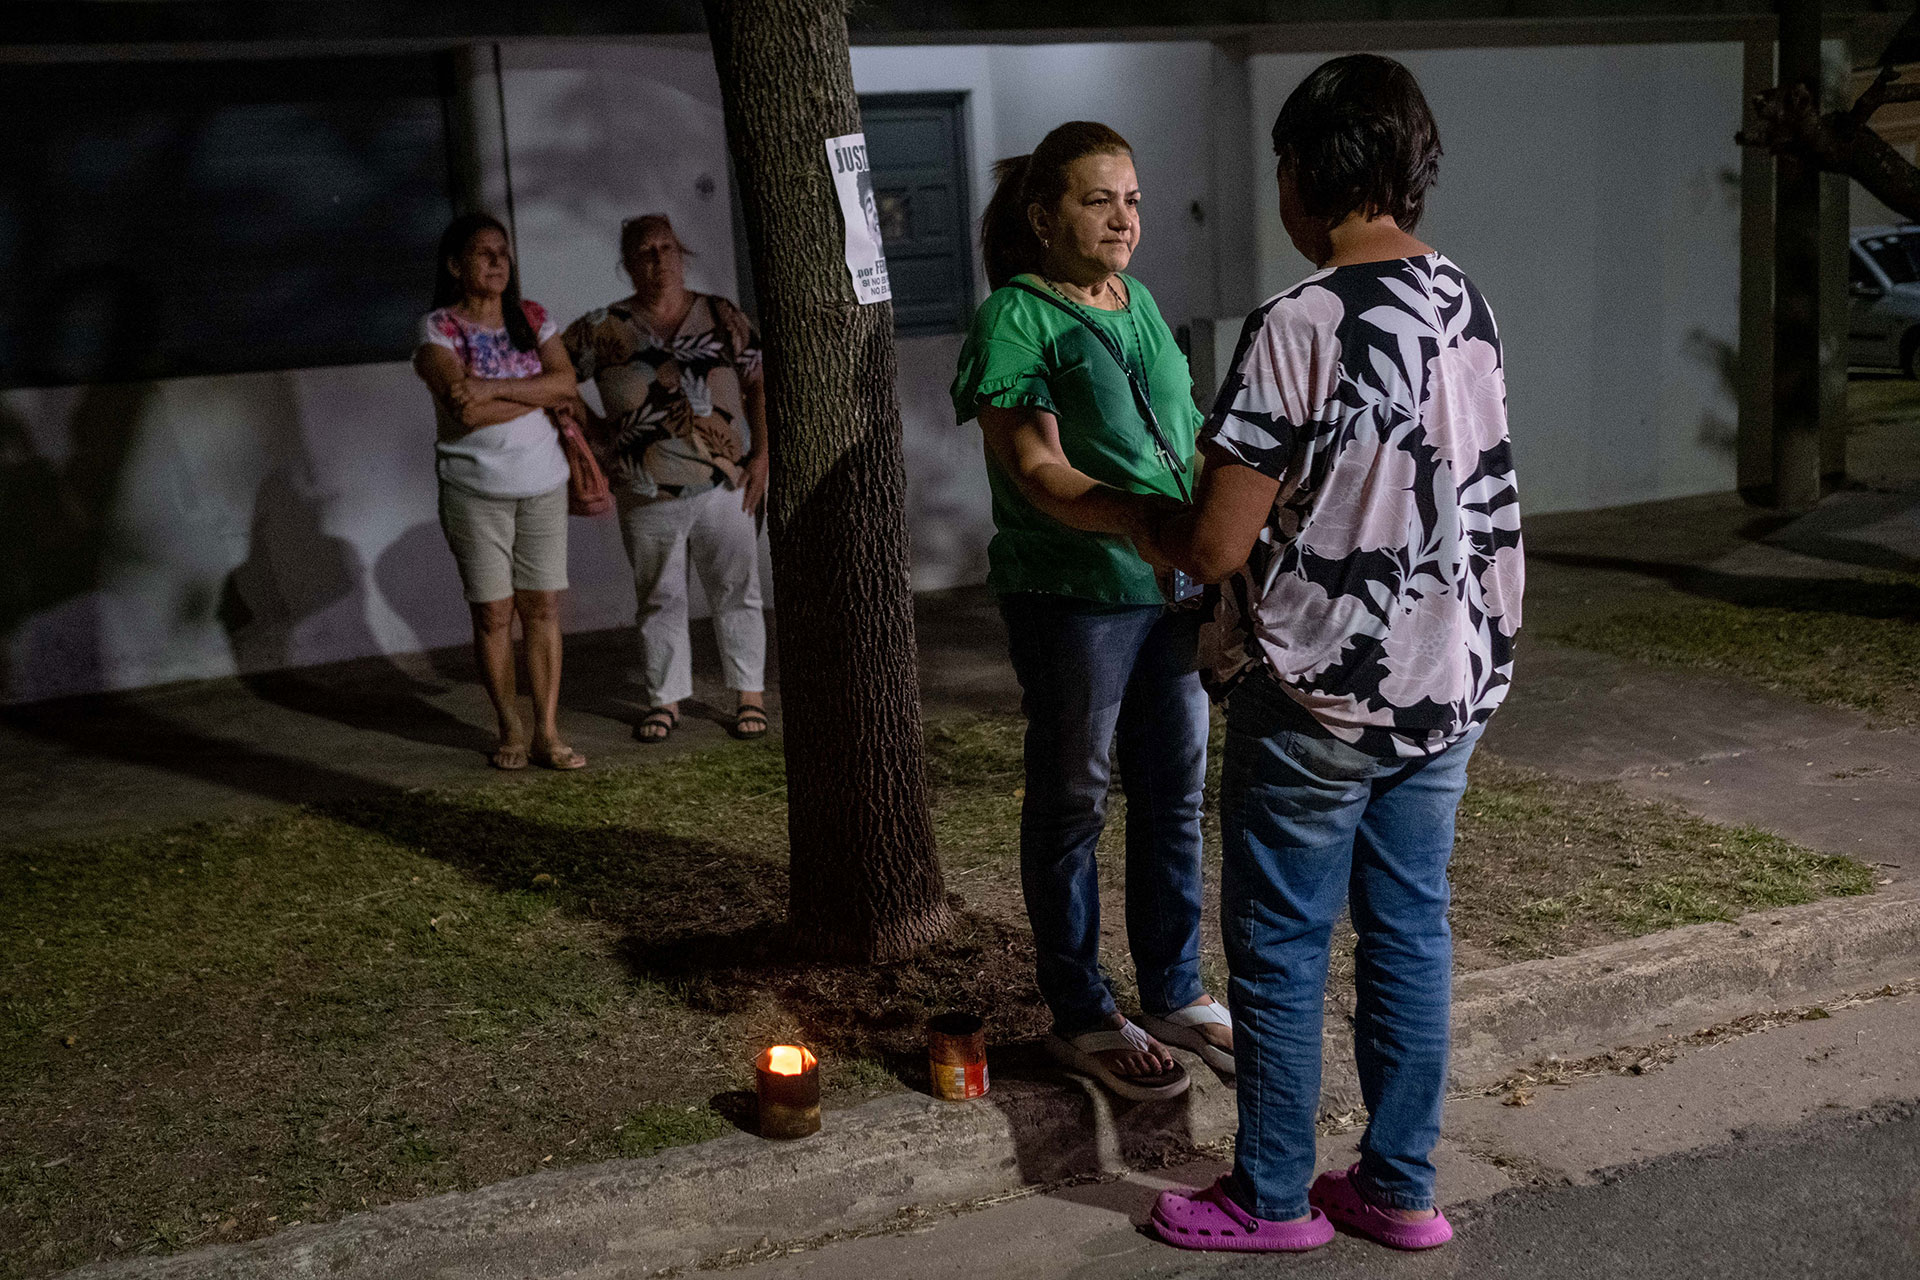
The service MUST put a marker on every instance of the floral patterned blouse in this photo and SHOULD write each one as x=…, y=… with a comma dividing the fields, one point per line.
x=488, y=353
x=1384, y=592
x=518, y=458
x=674, y=404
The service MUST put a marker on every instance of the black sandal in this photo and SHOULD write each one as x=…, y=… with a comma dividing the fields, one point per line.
x=657, y=718
x=749, y=723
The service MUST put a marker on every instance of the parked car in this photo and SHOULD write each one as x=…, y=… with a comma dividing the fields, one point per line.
x=1883, y=305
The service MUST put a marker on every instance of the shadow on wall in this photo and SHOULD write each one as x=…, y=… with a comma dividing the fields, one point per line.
x=56, y=520
x=294, y=570
x=416, y=575
x=949, y=508
x=296, y=573
x=1717, y=432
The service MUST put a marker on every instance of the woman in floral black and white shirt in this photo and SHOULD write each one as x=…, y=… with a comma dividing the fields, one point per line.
x=1359, y=505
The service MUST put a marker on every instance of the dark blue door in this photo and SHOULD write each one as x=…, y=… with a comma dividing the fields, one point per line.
x=917, y=145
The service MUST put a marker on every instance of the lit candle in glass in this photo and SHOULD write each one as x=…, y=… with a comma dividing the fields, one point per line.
x=788, y=1083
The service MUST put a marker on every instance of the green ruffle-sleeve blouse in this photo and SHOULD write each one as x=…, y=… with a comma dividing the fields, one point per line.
x=1024, y=351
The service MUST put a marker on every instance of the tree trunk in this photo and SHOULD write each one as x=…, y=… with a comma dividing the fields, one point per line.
x=865, y=881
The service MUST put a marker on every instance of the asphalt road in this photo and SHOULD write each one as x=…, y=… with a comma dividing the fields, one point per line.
x=1837, y=1198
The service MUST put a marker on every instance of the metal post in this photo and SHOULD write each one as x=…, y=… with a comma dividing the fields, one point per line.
x=1796, y=276
x=1835, y=222
x=1753, y=463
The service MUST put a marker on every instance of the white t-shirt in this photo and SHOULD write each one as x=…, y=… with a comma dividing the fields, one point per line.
x=518, y=458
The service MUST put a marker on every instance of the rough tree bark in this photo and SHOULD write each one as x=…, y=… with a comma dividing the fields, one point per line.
x=865, y=881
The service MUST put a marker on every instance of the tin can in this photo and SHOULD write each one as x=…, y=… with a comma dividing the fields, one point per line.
x=787, y=1080
x=957, y=1056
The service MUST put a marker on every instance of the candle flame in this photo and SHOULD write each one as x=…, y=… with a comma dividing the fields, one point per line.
x=789, y=1060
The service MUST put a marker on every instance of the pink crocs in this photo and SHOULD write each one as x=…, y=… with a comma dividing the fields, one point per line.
x=1335, y=1194
x=1211, y=1220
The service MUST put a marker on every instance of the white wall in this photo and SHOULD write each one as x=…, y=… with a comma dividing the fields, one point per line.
x=259, y=521
x=281, y=519
x=598, y=135
x=1592, y=194
x=1160, y=98
x=949, y=508
x=1156, y=95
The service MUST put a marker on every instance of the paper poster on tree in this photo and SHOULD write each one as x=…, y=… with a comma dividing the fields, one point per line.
x=853, y=181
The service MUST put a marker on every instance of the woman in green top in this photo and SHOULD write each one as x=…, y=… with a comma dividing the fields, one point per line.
x=1083, y=397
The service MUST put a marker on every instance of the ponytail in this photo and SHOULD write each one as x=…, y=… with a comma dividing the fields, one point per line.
x=1009, y=245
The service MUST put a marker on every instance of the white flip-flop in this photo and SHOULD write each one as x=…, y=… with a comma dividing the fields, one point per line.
x=1080, y=1055
x=1182, y=1027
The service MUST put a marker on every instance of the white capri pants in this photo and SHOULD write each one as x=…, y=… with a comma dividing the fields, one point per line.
x=711, y=534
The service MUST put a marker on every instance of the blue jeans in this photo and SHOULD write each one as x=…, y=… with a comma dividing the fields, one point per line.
x=1309, y=824
x=1094, y=677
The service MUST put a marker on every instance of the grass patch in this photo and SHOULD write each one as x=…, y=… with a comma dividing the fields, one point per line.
x=1543, y=866
x=1850, y=642
x=655, y=1127
x=212, y=1032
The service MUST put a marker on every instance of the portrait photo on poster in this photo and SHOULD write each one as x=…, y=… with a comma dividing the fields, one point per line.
x=860, y=212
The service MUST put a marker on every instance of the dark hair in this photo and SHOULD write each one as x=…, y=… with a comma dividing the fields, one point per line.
x=1357, y=134
x=447, y=289
x=1008, y=244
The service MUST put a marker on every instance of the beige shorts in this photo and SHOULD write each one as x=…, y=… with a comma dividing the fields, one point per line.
x=504, y=545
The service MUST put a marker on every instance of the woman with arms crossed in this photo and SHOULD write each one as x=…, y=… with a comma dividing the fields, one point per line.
x=495, y=367
x=1359, y=496
x=1064, y=364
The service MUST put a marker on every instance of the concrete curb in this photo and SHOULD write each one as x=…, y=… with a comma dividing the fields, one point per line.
x=628, y=1218
x=1681, y=979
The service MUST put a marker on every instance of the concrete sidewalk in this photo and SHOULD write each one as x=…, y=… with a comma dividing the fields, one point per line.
x=1592, y=1133
x=1825, y=777
x=208, y=749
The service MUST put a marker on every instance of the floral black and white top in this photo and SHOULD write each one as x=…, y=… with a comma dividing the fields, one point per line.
x=675, y=403
x=1384, y=592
